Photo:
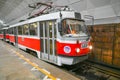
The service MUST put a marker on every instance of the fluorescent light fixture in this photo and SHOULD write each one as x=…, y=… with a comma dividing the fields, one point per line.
x=2, y=23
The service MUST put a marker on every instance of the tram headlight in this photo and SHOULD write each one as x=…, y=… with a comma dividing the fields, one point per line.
x=90, y=47
x=77, y=50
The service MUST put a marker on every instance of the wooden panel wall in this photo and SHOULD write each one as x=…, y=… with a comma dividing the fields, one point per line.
x=106, y=44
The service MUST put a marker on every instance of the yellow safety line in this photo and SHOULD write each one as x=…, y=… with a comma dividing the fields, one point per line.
x=36, y=66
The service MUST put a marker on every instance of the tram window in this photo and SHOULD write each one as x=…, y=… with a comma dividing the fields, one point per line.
x=7, y=31
x=50, y=29
x=52, y=26
x=55, y=30
x=46, y=27
x=20, y=30
x=0, y=32
x=33, y=29
x=11, y=30
x=25, y=29
x=70, y=27
x=64, y=29
x=41, y=29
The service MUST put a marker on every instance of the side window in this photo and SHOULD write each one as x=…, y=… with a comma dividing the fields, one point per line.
x=7, y=31
x=25, y=29
x=41, y=29
x=33, y=29
x=19, y=30
x=55, y=34
x=11, y=30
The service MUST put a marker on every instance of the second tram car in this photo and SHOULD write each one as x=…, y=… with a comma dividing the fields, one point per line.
x=59, y=37
x=1, y=34
x=4, y=34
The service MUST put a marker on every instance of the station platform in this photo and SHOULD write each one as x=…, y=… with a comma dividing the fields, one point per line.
x=16, y=64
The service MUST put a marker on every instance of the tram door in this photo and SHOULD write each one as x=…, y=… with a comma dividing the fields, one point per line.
x=15, y=36
x=48, y=40
x=4, y=34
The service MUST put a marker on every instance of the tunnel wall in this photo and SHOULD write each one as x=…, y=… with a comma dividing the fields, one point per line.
x=106, y=44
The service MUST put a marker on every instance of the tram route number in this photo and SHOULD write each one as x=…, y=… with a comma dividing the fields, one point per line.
x=84, y=45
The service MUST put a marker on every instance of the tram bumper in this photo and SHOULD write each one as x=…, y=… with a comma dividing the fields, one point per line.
x=71, y=60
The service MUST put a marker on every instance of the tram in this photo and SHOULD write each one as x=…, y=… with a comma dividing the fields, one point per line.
x=1, y=34
x=60, y=37
x=4, y=35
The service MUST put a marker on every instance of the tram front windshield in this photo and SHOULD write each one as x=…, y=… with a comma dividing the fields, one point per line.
x=73, y=28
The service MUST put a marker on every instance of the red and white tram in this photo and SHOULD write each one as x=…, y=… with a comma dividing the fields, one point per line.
x=59, y=37
x=4, y=34
x=1, y=34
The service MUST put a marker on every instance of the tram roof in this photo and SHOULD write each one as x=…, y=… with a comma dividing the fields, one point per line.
x=5, y=28
x=45, y=17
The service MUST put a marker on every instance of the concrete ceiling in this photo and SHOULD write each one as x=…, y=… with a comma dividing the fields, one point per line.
x=11, y=11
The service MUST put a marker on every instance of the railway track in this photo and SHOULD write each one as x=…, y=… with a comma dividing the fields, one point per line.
x=90, y=71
